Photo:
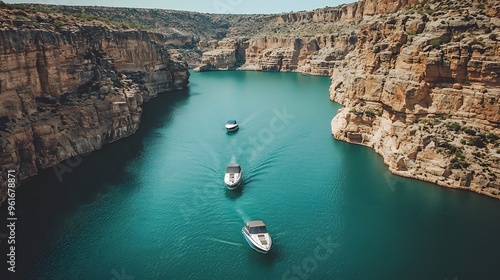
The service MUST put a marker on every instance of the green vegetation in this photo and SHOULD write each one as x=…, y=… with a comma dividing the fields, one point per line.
x=470, y=131
x=476, y=141
x=436, y=42
x=492, y=138
x=454, y=126
x=369, y=113
x=459, y=38
x=459, y=160
x=457, y=163
x=431, y=122
x=427, y=10
x=22, y=9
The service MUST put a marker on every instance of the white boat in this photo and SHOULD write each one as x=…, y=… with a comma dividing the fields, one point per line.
x=232, y=125
x=257, y=236
x=234, y=176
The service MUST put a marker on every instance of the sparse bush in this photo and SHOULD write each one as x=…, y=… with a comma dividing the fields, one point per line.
x=491, y=137
x=459, y=154
x=463, y=142
x=476, y=141
x=369, y=113
x=454, y=126
x=458, y=163
x=436, y=42
x=459, y=38
x=470, y=131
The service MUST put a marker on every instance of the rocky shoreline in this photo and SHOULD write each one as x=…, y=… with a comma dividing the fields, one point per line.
x=424, y=92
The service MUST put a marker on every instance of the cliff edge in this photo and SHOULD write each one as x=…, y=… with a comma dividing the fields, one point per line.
x=70, y=85
x=422, y=89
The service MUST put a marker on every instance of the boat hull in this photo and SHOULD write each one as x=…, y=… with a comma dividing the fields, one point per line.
x=232, y=128
x=233, y=184
x=247, y=238
x=254, y=246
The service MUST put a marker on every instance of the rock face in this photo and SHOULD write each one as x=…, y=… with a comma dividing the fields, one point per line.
x=423, y=90
x=71, y=89
x=316, y=55
x=312, y=42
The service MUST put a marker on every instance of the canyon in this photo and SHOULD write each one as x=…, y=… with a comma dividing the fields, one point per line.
x=69, y=89
x=418, y=79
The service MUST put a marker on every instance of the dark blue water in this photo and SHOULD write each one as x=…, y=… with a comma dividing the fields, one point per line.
x=154, y=205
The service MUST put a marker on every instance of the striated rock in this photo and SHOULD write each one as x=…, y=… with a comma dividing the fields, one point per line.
x=311, y=55
x=312, y=42
x=70, y=90
x=227, y=54
x=431, y=88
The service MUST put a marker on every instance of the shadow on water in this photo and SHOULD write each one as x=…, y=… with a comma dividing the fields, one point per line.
x=102, y=167
x=46, y=196
x=266, y=260
x=231, y=133
x=236, y=193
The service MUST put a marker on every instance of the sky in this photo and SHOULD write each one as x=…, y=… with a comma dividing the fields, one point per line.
x=204, y=6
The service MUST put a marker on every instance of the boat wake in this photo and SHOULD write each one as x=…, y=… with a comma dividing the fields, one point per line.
x=243, y=216
x=225, y=242
x=233, y=159
x=254, y=115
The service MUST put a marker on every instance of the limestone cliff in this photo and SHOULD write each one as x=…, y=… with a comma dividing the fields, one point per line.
x=69, y=86
x=422, y=89
x=313, y=42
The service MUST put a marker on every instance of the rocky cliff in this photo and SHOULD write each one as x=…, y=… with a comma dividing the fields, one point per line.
x=422, y=88
x=313, y=42
x=69, y=86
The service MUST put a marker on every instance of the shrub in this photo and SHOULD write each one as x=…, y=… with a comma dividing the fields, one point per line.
x=491, y=137
x=369, y=113
x=463, y=142
x=470, y=131
x=436, y=42
x=459, y=155
x=454, y=126
x=458, y=163
x=476, y=141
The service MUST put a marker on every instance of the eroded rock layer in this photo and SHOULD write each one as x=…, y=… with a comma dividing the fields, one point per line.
x=423, y=89
x=68, y=90
x=313, y=42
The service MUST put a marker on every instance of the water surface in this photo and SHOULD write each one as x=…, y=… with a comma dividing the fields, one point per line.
x=154, y=205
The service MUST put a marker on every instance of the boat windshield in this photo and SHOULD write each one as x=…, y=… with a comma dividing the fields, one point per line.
x=257, y=230
x=233, y=169
x=231, y=122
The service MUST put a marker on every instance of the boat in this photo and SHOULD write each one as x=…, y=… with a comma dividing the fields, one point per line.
x=257, y=236
x=232, y=125
x=234, y=176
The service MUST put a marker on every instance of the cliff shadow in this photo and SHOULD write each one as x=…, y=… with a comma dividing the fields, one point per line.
x=47, y=195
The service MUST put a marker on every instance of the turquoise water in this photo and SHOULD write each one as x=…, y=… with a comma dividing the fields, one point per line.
x=154, y=205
